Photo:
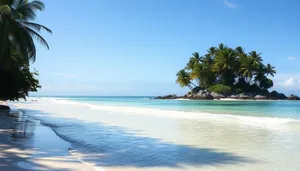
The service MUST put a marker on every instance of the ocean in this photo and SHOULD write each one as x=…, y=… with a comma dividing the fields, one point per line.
x=139, y=133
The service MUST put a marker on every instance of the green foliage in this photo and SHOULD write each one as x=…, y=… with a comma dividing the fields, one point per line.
x=183, y=79
x=238, y=90
x=225, y=60
x=17, y=31
x=266, y=83
x=270, y=70
x=220, y=88
x=17, y=81
x=230, y=67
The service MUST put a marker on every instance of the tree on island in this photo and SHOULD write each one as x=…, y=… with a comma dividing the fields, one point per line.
x=17, y=50
x=226, y=70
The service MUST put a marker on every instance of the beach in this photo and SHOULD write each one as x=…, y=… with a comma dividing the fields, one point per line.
x=27, y=145
x=134, y=134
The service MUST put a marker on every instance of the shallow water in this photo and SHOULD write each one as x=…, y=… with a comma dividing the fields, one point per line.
x=138, y=133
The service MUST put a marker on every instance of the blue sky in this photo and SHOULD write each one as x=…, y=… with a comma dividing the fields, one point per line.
x=135, y=47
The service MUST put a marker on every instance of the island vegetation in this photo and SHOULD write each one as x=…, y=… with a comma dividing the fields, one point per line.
x=18, y=34
x=224, y=72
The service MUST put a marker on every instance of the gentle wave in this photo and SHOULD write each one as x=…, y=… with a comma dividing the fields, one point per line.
x=182, y=99
x=240, y=119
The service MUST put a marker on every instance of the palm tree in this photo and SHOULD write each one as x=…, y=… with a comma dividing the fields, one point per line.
x=202, y=75
x=260, y=73
x=194, y=60
x=240, y=50
x=225, y=60
x=270, y=70
x=184, y=79
x=257, y=58
x=17, y=29
x=197, y=73
x=222, y=47
x=212, y=51
x=207, y=60
x=248, y=68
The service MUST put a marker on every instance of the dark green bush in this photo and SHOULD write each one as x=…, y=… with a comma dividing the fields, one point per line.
x=17, y=80
x=220, y=88
x=239, y=90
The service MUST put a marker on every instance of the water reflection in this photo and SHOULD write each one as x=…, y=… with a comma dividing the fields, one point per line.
x=23, y=127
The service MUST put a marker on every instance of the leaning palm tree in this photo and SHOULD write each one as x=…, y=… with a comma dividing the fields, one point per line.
x=203, y=76
x=184, y=79
x=17, y=29
x=197, y=73
x=270, y=70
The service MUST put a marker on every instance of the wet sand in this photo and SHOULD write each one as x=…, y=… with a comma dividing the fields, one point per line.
x=27, y=145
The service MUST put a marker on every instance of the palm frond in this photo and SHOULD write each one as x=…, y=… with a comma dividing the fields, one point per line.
x=23, y=41
x=25, y=10
x=36, y=26
x=38, y=37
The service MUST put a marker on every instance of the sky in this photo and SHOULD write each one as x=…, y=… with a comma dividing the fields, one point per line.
x=136, y=47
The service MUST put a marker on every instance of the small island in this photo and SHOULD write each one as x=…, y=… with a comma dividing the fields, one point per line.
x=228, y=73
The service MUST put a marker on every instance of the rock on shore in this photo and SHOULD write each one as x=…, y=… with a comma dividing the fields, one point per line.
x=293, y=97
x=205, y=95
x=4, y=107
x=171, y=96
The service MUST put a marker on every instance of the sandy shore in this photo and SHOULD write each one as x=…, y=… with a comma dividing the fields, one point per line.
x=27, y=145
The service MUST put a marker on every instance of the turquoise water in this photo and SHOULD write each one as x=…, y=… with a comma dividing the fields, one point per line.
x=280, y=109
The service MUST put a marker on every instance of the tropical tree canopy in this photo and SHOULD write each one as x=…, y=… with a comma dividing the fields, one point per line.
x=18, y=31
x=17, y=81
x=227, y=69
x=184, y=79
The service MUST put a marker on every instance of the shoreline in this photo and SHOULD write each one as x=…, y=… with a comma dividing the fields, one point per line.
x=263, y=121
x=27, y=144
x=118, y=137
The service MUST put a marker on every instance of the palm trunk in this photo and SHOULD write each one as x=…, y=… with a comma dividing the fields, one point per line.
x=193, y=84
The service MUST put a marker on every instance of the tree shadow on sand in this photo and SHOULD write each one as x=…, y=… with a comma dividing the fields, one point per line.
x=16, y=154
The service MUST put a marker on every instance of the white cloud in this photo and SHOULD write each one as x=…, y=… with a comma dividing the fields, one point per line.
x=292, y=58
x=229, y=4
x=287, y=83
x=290, y=82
